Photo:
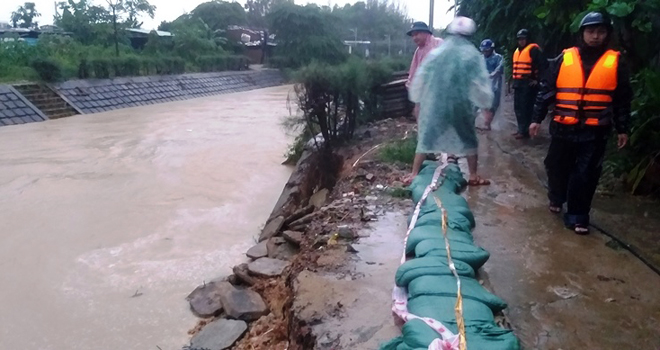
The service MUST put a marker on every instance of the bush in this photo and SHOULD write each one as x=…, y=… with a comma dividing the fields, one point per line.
x=130, y=65
x=170, y=65
x=48, y=69
x=219, y=63
x=101, y=68
x=84, y=69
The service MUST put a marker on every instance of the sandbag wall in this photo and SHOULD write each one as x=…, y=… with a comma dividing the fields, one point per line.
x=431, y=286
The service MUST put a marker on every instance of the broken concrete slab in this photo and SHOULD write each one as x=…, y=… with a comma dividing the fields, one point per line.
x=272, y=228
x=293, y=237
x=278, y=248
x=258, y=251
x=205, y=299
x=319, y=198
x=267, y=267
x=244, y=304
x=298, y=214
x=303, y=221
x=219, y=334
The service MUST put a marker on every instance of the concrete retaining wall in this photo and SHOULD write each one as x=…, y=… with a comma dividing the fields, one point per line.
x=15, y=109
x=92, y=96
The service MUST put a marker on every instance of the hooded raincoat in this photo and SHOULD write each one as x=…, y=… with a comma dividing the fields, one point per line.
x=449, y=86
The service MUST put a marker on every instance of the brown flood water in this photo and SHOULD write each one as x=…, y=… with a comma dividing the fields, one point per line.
x=109, y=220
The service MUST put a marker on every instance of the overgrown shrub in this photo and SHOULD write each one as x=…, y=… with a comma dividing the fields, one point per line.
x=101, y=67
x=84, y=69
x=48, y=69
x=335, y=99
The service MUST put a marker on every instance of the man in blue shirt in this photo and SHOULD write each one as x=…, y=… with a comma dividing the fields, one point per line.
x=495, y=66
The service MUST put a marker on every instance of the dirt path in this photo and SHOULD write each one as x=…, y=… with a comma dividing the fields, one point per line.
x=563, y=290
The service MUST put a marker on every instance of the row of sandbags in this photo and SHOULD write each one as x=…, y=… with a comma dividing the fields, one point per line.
x=431, y=286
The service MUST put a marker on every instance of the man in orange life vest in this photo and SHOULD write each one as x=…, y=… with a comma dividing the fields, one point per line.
x=528, y=62
x=590, y=87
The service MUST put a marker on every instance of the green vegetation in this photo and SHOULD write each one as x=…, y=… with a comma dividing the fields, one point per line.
x=400, y=192
x=97, y=45
x=554, y=24
x=399, y=151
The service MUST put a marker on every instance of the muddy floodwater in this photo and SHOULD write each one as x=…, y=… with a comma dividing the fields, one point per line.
x=108, y=221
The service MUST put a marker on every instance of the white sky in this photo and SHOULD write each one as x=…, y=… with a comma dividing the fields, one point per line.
x=168, y=10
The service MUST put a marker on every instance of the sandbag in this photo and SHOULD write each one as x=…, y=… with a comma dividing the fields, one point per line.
x=429, y=266
x=420, y=233
x=467, y=253
x=439, y=285
x=442, y=309
x=455, y=220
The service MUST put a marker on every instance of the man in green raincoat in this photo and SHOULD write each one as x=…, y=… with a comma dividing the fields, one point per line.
x=450, y=86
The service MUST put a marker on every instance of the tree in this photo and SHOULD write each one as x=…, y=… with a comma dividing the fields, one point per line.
x=24, y=16
x=304, y=34
x=136, y=8
x=132, y=9
x=258, y=9
x=88, y=23
x=218, y=15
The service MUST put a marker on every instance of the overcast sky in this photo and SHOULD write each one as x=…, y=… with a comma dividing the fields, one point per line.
x=168, y=10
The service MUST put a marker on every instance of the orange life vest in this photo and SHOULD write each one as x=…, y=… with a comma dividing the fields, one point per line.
x=522, y=63
x=588, y=101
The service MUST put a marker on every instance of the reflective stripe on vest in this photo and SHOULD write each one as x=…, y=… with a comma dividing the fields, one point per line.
x=522, y=62
x=577, y=99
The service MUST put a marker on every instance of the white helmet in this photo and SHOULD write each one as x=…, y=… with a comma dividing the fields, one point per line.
x=462, y=26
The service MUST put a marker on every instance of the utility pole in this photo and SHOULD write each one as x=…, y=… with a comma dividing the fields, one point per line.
x=431, y=15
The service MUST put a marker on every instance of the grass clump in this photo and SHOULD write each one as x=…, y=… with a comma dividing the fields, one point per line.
x=399, y=151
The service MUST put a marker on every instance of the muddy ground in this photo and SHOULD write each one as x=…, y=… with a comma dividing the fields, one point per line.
x=564, y=291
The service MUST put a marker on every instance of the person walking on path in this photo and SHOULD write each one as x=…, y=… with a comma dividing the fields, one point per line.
x=590, y=86
x=495, y=67
x=423, y=37
x=451, y=82
x=528, y=63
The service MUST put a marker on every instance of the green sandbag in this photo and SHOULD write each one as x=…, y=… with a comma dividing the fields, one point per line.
x=467, y=253
x=421, y=233
x=446, y=286
x=429, y=266
x=455, y=219
x=442, y=309
x=417, y=335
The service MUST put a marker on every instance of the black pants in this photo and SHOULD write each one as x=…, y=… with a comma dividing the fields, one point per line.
x=574, y=169
x=523, y=105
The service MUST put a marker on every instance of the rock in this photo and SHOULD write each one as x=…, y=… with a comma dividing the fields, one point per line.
x=258, y=251
x=272, y=228
x=219, y=334
x=319, y=198
x=299, y=214
x=278, y=248
x=267, y=267
x=244, y=304
x=293, y=237
x=205, y=300
x=303, y=220
x=345, y=232
x=242, y=274
x=370, y=177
